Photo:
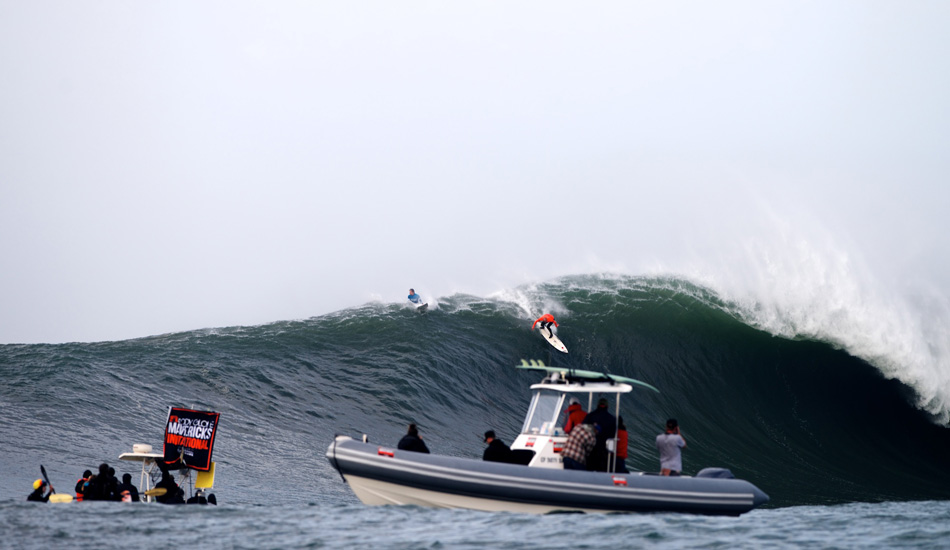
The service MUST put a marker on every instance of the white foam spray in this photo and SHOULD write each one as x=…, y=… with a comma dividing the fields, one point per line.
x=802, y=284
x=531, y=301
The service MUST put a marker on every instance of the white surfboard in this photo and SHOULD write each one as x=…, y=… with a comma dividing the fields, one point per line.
x=423, y=308
x=553, y=340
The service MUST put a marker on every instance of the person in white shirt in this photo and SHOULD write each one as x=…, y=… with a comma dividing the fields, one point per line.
x=669, y=445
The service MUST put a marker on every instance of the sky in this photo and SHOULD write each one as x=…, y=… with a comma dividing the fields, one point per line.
x=178, y=165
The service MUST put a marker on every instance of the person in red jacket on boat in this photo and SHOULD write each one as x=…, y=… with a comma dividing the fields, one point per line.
x=575, y=415
x=546, y=321
x=622, y=443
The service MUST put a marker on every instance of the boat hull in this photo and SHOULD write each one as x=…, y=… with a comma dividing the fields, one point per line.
x=386, y=476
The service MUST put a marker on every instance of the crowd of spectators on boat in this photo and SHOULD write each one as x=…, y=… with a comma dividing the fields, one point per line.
x=586, y=446
x=588, y=434
x=105, y=486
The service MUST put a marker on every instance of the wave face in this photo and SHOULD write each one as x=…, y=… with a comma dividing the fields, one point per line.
x=802, y=419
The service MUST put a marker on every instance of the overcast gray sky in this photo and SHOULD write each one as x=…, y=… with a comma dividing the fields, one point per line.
x=176, y=165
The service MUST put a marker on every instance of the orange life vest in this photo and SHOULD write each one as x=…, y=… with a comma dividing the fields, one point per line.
x=79, y=493
x=622, y=444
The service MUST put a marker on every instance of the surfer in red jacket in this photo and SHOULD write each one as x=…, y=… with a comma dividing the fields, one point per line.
x=546, y=320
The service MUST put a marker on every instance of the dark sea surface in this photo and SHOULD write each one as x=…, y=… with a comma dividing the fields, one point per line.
x=924, y=525
x=846, y=454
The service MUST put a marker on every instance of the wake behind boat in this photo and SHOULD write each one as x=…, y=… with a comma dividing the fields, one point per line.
x=381, y=475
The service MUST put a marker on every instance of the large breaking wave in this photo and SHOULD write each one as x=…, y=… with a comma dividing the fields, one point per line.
x=810, y=415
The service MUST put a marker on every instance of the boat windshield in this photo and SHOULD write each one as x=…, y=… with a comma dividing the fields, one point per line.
x=543, y=413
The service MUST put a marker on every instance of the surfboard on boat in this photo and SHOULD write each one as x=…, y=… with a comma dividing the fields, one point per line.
x=585, y=374
x=553, y=340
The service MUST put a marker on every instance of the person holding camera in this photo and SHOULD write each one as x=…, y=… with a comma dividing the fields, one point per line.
x=669, y=445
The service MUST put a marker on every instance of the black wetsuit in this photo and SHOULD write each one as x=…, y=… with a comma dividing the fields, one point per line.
x=133, y=492
x=102, y=486
x=37, y=495
x=497, y=451
x=598, y=458
x=412, y=443
x=173, y=493
x=98, y=488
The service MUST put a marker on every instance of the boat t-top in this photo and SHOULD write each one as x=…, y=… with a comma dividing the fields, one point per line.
x=150, y=473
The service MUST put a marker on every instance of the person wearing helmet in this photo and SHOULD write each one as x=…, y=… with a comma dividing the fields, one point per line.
x=546, y=321
x=37, y=494
x=575, y=415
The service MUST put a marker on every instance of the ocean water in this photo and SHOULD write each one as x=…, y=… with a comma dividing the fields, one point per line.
x=922, y=524
x=852, y=451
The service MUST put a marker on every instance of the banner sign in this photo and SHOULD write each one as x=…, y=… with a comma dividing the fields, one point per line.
x=190, y=435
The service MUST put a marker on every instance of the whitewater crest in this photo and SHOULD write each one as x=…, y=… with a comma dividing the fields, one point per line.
x=808, y=292
x=820, y=297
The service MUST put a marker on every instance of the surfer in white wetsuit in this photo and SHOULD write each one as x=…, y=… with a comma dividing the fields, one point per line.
x=413, y=297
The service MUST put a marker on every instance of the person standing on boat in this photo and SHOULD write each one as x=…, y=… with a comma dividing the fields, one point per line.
x=412, y=441
x=37, y=495
x=496, y=451
x=575, y=415
x=599, y=458
x=579, y=444
x=413, y=297
x=546, y=321
x=669, y=445
x=622, y=442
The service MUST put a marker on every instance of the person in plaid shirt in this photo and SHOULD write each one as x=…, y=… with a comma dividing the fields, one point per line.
x=578, y=446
